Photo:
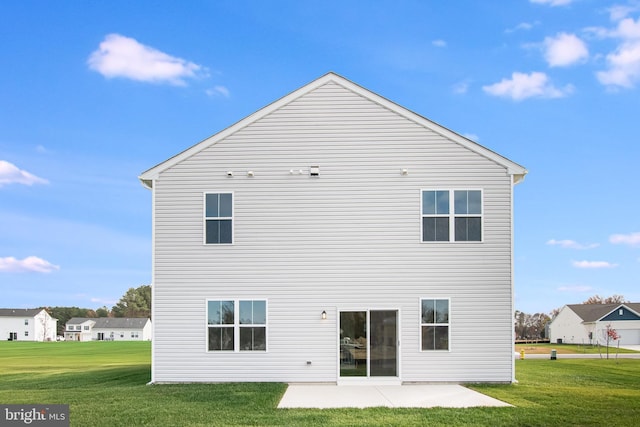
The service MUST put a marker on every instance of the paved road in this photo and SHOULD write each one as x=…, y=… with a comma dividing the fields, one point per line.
x=612, y=355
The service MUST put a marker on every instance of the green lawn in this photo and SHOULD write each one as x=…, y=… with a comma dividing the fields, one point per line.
x=105, y=385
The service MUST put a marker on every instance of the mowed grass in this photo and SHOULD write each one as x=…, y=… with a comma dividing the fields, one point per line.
x=105, y=385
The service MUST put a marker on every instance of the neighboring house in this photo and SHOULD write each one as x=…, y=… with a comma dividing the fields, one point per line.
x=108, y=329
x=333, y=236
x=587, y=323
x=79, y=329
x=31, y=324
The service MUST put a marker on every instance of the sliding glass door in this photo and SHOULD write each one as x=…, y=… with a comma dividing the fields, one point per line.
x=369, y=343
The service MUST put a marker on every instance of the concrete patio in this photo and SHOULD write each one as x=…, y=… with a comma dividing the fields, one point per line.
x=392, y=396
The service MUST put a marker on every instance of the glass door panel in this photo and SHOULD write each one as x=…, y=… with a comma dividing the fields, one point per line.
x=353, y=344
x=383, y=348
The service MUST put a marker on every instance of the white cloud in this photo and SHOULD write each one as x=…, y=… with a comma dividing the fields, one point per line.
x=552, y=2
x=472, y=136
x=523, y=26
x=120, y=56
x=104, y=301
x=571, y=244
x=461, y=87
x=522, y=86
x=564, y=49
x=623, y=67
x=11, y=174
x=623, y=64
x=632, y=239
x=575, y=288
x=218, y=91
x=439, y=43
x=593, y=264
x=619, y=12
x=32, y=263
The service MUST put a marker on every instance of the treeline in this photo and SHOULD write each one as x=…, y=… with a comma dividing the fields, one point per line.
x=136, y=302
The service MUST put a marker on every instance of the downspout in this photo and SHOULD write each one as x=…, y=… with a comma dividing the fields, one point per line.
x=515, y=179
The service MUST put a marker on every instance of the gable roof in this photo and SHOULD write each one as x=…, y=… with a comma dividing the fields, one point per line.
x=517, y=171
x=121, y=322
x=595, y=312
x=79, y=320
x=19, y=312
x=111, y=322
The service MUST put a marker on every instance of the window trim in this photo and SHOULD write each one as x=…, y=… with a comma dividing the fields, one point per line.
x=237, y=325
x=452, y=216
x=205, y=217
x=421, y=325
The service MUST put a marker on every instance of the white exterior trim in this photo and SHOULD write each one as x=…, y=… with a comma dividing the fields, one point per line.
x=514, y=169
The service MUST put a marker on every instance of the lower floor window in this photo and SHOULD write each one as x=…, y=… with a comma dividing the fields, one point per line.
x=434, y=324
x=236, y=325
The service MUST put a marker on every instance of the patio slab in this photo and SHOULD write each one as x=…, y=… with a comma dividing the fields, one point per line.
x=392, y=396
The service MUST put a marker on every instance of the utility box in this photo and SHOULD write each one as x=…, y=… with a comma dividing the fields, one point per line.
x=553, y=354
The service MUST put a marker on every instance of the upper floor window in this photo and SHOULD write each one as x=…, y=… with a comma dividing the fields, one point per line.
x=218, y=218
x=237, y=325
x=86, y=328
x=26, y=322
x=451, y=215
x=434, y=324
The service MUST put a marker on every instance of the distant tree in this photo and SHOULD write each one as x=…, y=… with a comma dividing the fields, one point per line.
x=136, y=302
x=530, y=326
x=613, y=299
x=102, y=312
x=610, y=334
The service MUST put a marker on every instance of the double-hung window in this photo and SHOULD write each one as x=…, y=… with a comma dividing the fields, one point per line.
x=237, y=325
x=218, y=218
x=434, y=324
x=451, y=215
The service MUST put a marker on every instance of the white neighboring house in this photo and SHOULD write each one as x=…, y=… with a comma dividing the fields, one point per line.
x=333, y=236
x=587, y=323
x=31, y=324
x=108, y=329
x=79, y=329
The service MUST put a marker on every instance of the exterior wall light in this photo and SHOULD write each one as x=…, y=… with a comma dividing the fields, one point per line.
x=324, y=315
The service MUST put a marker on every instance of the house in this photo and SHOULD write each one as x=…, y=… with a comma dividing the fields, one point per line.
x=333, y=236
x=27, y=324
x=108, y=329
x=79, y=329
x=587, y=323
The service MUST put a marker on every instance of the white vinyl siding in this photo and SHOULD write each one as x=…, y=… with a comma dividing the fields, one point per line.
x=344, y=240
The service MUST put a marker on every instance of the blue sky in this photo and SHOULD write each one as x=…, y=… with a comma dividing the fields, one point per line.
x=94, y=93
